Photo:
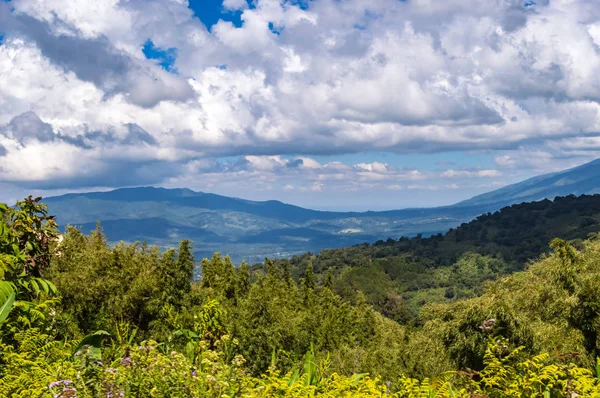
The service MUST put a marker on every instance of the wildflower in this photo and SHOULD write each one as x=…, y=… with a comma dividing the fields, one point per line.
x=111, y=370
x=119, y=394
x=487, y=324
x=194, y=374
x=126, y=361
x=99, y=363
x=59, y=383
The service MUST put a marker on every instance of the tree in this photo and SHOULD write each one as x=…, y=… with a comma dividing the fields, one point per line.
x=185, y=267
x=329, y=279
x=309, y=278
x=243, y=279
x=26, y=232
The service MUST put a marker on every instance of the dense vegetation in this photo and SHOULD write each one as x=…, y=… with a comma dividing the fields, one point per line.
x=399, y=276
x=79, y=318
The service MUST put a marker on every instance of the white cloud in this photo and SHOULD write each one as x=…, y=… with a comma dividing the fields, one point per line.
x=376, y=167
x=470, y=173
x=235, y=4
x=505, y=161
x=289, y=84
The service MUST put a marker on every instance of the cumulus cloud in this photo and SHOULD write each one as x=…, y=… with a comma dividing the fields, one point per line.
x=294, y=81
x=470, y=173
x=29, y=126
x=235, y=4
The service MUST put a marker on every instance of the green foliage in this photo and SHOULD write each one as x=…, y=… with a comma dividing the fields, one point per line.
x=455, y=265
x=129, y=322
x=7, y=300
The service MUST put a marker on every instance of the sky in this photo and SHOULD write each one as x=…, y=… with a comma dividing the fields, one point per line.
x=329, y=104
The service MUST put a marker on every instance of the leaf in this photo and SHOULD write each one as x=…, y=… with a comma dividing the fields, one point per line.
x=93, y=340
x=44, y=284
x=52, y=288
x=35, y=286
x=6, y=289
x=131, y=337
x=6, y=307
x=294, y=378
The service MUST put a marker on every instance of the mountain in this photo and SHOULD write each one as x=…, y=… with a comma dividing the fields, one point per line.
x=580, y=180
x=253, y=230
x=242, y=228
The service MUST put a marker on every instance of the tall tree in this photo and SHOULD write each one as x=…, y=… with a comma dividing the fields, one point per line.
x=185, y=267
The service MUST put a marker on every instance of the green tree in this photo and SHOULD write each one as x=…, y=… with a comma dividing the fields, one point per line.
x=185, y=268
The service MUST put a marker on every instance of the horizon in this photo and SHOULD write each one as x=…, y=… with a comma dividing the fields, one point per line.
x=321, y=104
x=357, y=208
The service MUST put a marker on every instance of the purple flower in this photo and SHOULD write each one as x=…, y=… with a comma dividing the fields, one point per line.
x=59, y=383
x=126, y=361
x=119, y=394
x=194, y=374
x=487, y=324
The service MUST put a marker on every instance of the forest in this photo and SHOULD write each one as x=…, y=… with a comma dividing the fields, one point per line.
x=400, y=276
x=505, y=306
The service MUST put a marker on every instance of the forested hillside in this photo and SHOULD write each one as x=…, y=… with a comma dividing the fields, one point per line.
x=82, y=318
x=400, y=276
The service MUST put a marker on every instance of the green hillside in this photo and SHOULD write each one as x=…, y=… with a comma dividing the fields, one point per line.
x=400, y=276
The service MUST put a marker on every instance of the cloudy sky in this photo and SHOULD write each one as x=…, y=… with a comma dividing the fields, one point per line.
x=334, y=104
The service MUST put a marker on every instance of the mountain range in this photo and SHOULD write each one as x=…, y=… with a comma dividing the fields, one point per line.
x=252, y=230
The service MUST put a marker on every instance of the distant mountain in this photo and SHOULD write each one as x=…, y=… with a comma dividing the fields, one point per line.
x=253, y=230
x=242, y=228
x=577, y=181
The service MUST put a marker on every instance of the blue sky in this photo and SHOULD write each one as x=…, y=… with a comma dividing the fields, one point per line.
x=328, y=104
x=211, y=11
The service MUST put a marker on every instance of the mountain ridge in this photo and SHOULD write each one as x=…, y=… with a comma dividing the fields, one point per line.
x=252, y=230
x=586, y=176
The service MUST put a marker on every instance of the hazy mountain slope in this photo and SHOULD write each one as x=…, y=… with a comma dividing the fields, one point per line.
x=242, y=228
x=150, y=229
x=584, y=179
x=253, y=230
